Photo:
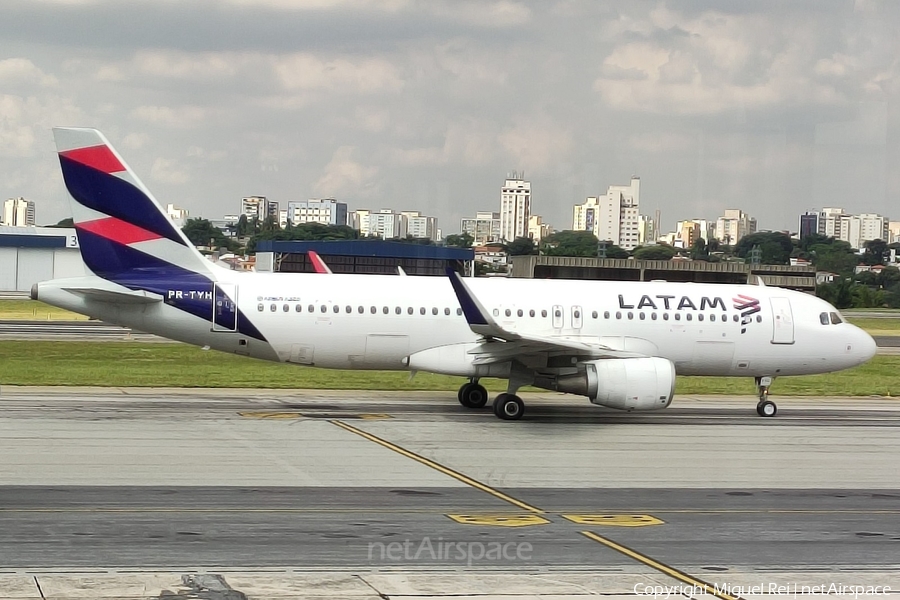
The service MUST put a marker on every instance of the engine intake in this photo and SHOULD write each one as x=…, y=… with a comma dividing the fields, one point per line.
x=626, y=383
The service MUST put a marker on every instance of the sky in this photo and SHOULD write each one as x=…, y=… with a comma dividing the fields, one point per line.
x=773, y=106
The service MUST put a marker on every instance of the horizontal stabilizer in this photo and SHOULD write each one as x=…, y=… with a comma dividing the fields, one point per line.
x=116, y=297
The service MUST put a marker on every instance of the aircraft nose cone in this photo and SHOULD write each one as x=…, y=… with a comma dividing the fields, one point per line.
x=862, y=346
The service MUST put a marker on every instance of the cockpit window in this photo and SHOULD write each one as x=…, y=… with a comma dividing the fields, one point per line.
x=836, y=318
x=823, y=318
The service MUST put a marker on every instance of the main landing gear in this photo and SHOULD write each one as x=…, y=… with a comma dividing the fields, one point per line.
x=509, y=407
x=765, y=407
x=472, y=394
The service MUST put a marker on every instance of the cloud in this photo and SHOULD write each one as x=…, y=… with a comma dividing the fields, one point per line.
x=168, y=171
x=306, y=71
x=344, y=176
x=183, y=116
x=22, y=70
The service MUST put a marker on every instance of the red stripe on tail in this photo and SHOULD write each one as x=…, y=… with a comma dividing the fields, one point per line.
x=100, y=158
x=118, y=231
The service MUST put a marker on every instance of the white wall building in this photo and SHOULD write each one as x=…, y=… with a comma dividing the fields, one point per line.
x=359, y=220
x=646, y=230
x=484, y=227
x=18, y=212
x=179, y=216
x=614, y=217
x=387, y=224
x=830, y=222
x=326, y=211
x=537, y=229
x=734, y=225
x=515, y=207
x=859, y=229
x=421, y=226
x=259, y=207
x=893, y=232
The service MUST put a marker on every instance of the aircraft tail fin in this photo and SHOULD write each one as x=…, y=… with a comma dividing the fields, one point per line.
x=122, y=229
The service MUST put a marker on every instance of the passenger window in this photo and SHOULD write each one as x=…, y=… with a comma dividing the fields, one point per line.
x=618, y=314
x=349, y=309
x=260, y=307
x=577, y=314
x=594, y=314
x=446, y=311
x=520, y=313
x=496, y=312
x=311, y=308
x=544, y=314
x=735, y=318
x=409, y=310
x=458, y=312
x=653, y=316
x=689, y=316
x=336, y=308
x=677, y=316
x=630, y=315
x=434, y=310
x=531, y=313
x=373, y=310
x=422, y=310
x=397, y=310
x=508, y=312
x=286, y=308
x=642, y=316
x=759, y=318
x=700, y=317
x=298, y=308
x=712, y=317
x=836, y=318
x=605, y=314
x=823, y=318
x=323, y=308
x=360, y=309
x=665, y=316
x=385, y=310
x=273, y=308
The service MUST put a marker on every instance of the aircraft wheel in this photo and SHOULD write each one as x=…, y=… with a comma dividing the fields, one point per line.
x=766, y=408
x=473, y=395
x=509, y=407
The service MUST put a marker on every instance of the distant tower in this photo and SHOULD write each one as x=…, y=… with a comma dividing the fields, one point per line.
x=515, y=207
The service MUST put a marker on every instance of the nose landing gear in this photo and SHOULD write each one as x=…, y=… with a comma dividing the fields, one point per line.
x=472, y=394
x=765, y=407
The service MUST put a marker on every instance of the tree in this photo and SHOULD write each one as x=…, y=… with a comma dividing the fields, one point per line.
x=835, y=256
x=571, y=243
x=775, y=247
x=698, y=249
x=67, y=222
x=203, y=233
x=521, y=246
x=462, y=240
x=875, y=251
x=657, y=252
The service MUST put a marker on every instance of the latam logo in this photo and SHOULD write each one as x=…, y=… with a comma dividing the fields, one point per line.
x=748, y=307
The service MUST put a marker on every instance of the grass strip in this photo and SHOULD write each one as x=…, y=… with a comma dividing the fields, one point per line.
x=179, y=365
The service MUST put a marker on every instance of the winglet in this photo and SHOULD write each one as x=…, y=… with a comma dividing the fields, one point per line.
x=476, y=315
x=317, y=262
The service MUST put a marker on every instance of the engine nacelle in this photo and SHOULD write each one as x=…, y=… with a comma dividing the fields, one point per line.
x=624, y=383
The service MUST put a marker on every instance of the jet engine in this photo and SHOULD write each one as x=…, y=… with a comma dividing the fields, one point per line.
x=623, y=383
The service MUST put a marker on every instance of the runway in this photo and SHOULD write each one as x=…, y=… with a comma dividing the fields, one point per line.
x=232, y=481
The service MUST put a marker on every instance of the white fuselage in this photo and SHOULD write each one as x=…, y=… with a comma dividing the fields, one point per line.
x=376, y=322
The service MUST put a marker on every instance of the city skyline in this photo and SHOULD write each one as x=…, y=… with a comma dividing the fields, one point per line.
x=775, y=106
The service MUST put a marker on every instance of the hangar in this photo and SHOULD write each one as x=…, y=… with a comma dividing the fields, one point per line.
x=32, y=254
x=362, y=256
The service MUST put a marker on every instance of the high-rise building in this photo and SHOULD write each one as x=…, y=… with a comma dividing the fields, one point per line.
x=515, y=207
x=734, y=225
x=326, y=211
x=893, y=232
x=387, y=224
x=687, y=233
x=537, y=229
x=830, y=222
x=484, y=227
x=809, y=223
x=259, y=207
x=859, y=229
x=359, y=220
x=613, y=217
x=420, y=226
x=179, y=216
x=18, y=212
x=646, y=230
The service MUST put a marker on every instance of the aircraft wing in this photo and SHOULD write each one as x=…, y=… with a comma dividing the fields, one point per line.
x=499, y=344
x=114, y=296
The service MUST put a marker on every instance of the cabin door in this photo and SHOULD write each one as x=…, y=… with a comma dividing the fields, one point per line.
x=225, y=307
x=782, y=321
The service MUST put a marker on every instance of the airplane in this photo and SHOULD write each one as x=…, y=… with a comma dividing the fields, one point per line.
x=618, y=343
